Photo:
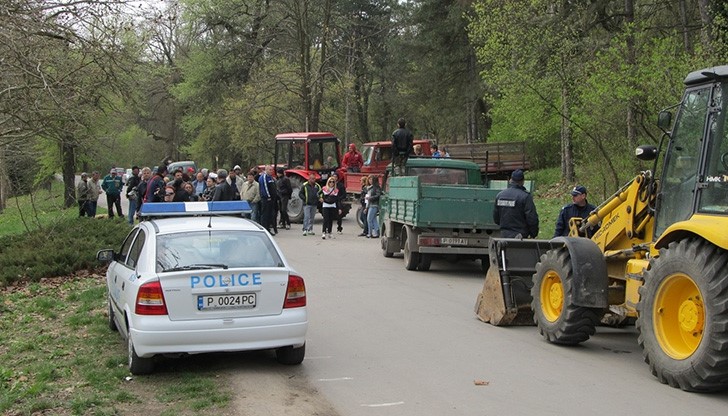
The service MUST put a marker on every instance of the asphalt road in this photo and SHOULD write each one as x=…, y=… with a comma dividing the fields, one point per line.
x=386, y=341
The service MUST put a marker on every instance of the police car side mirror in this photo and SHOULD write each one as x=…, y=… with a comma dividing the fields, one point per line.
x=105, y=256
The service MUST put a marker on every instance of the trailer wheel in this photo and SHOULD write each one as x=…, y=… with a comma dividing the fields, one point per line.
x=558, y=319
x=411, y=259
x=384, y=240
x=295, y=204
x=425, y=261
x=683, y=315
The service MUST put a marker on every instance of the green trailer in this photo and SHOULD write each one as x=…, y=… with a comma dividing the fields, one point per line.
x=441, y=208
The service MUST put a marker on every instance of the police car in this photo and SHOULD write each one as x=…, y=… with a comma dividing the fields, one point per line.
x=196, y=277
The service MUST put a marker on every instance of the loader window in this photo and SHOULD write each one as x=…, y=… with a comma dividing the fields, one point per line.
x=682, y=160
x=714, y=194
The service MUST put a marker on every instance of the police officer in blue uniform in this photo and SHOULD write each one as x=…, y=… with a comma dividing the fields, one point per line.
x=580, y=207
x=515, y=211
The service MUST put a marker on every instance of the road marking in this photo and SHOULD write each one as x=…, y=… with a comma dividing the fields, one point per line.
x=382, y=404
x=336, y=379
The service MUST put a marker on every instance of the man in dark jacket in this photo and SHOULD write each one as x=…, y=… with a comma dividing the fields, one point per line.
x=515, y=211
x=223, y=190
x=311, y=195
x=580, y=208
x=341, y=191
x=285, y=190
x=131, y=192
x=402, y=140
x=155, y=187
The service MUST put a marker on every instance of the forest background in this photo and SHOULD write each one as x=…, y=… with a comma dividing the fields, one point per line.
x=90, y=84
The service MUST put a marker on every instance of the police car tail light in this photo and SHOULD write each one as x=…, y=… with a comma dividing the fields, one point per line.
x=295, y=293
x=150, y=300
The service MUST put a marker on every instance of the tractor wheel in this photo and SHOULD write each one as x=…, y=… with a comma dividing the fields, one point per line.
x=683, y=315
x=295, y=204
x=359, y=222
x=411, y=259
x=558, y=320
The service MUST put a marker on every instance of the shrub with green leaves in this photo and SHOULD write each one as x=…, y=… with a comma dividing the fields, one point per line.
x=59, y=249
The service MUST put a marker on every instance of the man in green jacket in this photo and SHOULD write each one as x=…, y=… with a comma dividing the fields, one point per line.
x=112, y=186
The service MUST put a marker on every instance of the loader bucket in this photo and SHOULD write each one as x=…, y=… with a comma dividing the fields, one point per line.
x=506, y=295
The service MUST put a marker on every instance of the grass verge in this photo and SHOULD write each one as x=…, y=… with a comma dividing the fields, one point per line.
x=58, y=356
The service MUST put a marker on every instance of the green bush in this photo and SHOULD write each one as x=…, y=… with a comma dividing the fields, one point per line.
x=61, y=249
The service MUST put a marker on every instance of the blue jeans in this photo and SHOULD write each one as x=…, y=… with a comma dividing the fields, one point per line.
x=255, y=211
x=309, y=212
x=373, y=221
x=132, y=210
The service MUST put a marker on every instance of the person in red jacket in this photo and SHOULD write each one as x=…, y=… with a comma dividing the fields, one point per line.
x=352, y=159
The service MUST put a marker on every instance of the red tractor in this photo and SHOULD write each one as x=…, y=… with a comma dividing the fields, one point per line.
x=301, y=154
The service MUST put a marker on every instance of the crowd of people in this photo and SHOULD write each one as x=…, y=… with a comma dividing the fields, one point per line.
x=266, y=191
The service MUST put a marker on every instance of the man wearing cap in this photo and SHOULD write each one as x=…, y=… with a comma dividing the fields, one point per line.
x=236, y=181
x=95, y=191
x=223, y=191
x=112, y=186
x=131, y=192
x=515, y=211
x=83, y=194
x=580, y=207
x=353, y=160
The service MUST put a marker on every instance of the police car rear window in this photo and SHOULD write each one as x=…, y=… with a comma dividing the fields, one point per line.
x=215, y=249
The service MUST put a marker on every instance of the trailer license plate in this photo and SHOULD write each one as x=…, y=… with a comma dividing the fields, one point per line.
x=237, y=301
x=453, y=241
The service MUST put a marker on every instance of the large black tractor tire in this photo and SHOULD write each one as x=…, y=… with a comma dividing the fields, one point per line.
x=558, y=319
x=683, y=316
x=295, y=204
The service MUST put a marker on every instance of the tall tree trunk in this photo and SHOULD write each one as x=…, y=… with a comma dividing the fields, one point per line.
x=631, y=64
x=472, y=100
x=567, y=149
x=4, y=182
x=707, y=24
x=304, y=59
x=323, y=64
x=68, y=163
x=684, y=26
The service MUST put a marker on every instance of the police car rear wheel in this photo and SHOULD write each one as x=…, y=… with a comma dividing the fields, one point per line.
x=137, y=364
x=291, y=355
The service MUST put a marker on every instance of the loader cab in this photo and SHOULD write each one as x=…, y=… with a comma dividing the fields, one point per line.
x=695, y=166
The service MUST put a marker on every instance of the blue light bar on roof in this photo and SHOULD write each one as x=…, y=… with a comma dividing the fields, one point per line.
x=204, y=208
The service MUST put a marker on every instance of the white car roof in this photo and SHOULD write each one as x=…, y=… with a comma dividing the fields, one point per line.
x=186, y=224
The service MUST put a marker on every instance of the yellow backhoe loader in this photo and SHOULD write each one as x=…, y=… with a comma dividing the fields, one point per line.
x=659, y=257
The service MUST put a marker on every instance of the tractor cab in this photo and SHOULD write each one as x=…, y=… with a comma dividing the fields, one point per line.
x=694, y=181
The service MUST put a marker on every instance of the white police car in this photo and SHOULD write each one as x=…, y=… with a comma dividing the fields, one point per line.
x=195, y=277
